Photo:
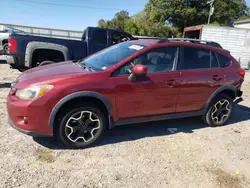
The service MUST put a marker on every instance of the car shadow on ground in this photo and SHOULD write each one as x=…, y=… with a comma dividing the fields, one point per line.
x=5, y=85
x=154, y=129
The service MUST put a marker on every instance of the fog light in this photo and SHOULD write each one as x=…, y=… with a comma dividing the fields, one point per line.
x=25, y=120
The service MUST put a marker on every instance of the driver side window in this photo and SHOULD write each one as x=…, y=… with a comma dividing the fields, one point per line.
x=157, y=60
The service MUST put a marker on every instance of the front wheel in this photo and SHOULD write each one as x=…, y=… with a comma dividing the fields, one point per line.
x=81, y=126
x=219, y=111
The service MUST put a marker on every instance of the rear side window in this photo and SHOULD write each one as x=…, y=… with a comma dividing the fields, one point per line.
x=194, y=58
x=100, y=36
x=223, y=61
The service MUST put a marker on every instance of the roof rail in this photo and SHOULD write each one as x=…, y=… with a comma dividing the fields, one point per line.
x=197, y=41
x=144, y=37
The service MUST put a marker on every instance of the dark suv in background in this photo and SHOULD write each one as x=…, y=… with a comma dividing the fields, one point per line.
x=131, y=82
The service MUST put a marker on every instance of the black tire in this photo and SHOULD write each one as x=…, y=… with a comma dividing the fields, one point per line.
x=21, y=69
x=46, y=62
x=208, y=118
x=5, y=48
x=64, y=117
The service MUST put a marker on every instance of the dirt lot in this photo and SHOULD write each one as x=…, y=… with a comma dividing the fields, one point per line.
x=145, y=155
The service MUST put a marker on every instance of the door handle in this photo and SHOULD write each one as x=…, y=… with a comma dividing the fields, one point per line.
x=171, y=83
x=217, y=77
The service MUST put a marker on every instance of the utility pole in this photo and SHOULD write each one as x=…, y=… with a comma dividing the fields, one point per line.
x=211, y=11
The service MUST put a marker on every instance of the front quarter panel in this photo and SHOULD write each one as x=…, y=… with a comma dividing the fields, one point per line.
x=82, y=86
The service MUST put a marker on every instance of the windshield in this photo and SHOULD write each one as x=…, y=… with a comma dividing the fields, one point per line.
x=111, y=56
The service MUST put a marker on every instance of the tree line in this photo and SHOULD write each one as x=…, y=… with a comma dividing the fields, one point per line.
x=166, y=18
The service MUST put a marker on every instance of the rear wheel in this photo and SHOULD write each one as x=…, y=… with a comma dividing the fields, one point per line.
x=81, y=126
x=219, y=111
x=5, y=48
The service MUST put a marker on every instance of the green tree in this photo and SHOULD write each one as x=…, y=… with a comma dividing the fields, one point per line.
x=183, y=13
x=119, y=20
x=166, y=18
x=229, y=10
x=102, y=23
x=131, y=26
x=138, y=24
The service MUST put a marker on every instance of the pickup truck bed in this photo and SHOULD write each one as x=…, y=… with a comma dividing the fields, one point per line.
x=27, y=51
x=46, y=49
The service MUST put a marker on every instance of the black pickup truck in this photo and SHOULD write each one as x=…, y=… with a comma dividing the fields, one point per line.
x=28, y=51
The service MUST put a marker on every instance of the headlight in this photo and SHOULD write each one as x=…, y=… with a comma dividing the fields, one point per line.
x=33, y=92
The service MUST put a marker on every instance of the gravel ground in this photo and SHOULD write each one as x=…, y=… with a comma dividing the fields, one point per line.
x=145, y=155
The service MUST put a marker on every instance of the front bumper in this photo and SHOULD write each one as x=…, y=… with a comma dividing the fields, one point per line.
x=30, y=133
x=29, y=117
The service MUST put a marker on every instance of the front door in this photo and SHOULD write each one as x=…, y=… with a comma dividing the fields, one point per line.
x=154, y=94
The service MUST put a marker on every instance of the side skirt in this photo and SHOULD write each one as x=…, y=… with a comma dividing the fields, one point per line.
x=161, y=117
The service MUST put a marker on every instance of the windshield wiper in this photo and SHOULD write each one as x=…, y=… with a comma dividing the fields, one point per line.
x=85, y=66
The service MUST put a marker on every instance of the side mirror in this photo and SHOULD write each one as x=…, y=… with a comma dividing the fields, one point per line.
x=137, y=71
x=140, y=70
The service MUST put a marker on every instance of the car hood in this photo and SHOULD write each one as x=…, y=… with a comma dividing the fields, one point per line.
x=51, y=72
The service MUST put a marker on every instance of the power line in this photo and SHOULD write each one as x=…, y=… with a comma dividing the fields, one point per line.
x=72, y=6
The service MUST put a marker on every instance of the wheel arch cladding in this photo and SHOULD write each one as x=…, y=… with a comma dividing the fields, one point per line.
x=4, y=41
x=34, y=45
x=229, y=90
x=78, y=95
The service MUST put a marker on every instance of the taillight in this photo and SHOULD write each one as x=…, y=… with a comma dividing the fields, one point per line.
x=242, y=72
x=12, y=45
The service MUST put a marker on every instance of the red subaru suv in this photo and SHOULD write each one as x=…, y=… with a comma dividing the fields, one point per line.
x=131, y=82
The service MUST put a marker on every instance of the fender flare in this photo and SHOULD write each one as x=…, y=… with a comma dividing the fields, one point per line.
x=4, y=41
x=75, y=95
x=34, y=45
x=219, y=90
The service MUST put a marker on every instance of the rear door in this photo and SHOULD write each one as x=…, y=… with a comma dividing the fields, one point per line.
x=200, y=77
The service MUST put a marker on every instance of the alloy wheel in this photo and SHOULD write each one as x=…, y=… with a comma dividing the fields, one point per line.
x=221, y=111
x=82, y=126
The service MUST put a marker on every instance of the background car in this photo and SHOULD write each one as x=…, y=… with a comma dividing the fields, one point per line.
x=4, y=35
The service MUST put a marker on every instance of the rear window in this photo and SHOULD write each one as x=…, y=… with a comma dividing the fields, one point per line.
x=100, y=36
x=223, y=61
